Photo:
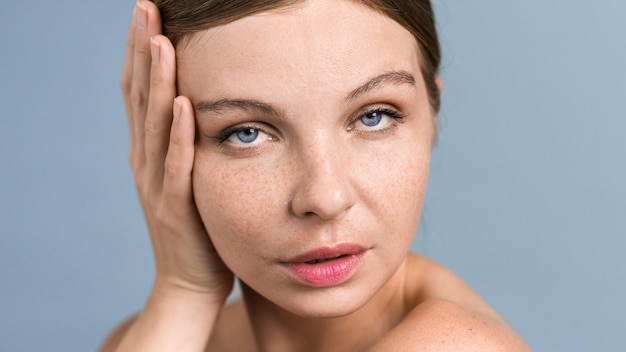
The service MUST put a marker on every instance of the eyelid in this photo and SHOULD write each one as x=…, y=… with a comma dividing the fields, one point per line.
x=385, y=109
x=222, y=137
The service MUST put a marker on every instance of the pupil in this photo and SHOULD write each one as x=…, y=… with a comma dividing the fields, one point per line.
x=371, y=119
x=248, y=135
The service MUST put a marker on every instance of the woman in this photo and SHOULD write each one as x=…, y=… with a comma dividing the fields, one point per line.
x=296, y=158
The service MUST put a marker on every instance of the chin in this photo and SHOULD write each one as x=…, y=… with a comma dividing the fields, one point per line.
x=317, y=303
x=327, y=307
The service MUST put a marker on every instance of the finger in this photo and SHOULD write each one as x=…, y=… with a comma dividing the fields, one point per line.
x=159, y=115
x=147, y=24
x=177, y=187
x=176, y=210
x=127, y=74
x=128, y=59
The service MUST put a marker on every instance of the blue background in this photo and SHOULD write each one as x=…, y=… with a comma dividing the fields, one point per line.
x=527, y=200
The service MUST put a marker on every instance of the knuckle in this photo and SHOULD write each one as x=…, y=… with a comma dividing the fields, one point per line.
x=176, y=140
x=155, y=78
x=163, y=214
x=125, y=84
x=137, y=97
x=151, y=127
x=142, y=47
x=138, y=178
x=171, y=168
x=143, y=184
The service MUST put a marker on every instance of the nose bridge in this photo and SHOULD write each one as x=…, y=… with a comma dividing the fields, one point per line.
x=321, y=155
x=324, y=186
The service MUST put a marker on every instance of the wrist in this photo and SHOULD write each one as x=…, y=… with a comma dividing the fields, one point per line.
x=174, y=320
x=172, y=290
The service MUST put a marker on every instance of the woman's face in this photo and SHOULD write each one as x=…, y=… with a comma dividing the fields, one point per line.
x=313, y=142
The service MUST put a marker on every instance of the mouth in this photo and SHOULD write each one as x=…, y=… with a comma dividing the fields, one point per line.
x=321, y=260
x=327, y=266
x=328, y=253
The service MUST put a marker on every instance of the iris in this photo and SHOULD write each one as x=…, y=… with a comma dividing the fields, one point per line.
x=372, y=119
x=247, y=135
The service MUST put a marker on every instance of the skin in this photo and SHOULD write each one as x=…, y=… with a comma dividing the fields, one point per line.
x=318, y=174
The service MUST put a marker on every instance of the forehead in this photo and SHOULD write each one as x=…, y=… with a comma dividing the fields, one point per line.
x=317, y=47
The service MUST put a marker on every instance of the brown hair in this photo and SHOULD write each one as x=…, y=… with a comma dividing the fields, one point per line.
x=182, y=18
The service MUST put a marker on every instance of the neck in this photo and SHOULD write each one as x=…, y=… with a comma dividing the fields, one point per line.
x=276, y=329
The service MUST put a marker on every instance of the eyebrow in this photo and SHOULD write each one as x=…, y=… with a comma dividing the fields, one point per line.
x=390, y=77
x=255, y=106
x=208, y=106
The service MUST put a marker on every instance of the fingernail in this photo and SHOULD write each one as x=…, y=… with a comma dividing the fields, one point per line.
x=178, y=107
x=155, y=50
x=141, y=16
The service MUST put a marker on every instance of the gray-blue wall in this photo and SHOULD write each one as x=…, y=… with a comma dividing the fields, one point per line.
x=527, y=199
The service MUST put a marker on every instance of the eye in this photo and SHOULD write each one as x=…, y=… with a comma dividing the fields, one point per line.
x=378, y=119
x=373, y=118
x=245, y=136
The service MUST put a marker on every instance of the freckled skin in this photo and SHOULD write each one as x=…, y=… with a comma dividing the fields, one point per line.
x=330, y=102
x=317, y=183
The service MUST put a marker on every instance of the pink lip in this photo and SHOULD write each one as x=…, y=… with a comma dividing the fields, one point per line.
x=327, y=266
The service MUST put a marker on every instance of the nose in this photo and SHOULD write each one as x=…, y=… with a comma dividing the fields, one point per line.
x=324, y=188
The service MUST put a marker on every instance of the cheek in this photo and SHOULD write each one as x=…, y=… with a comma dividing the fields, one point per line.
x=412, y=178
x=242, y=203
x=411, y=192
x=237, y=202
x=395, y=191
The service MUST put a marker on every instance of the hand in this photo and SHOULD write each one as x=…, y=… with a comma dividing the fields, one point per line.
x=161, y=156
x=192, y=283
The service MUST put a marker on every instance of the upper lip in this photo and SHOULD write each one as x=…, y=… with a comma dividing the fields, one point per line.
x=328, y=252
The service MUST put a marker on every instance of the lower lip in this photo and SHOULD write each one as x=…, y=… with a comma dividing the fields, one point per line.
x=328, y=273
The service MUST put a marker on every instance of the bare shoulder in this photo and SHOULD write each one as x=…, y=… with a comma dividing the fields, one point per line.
x=447, y=315
x=439, y=325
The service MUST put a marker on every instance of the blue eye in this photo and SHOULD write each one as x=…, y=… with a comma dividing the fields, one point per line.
x=244, y=136
x=377, y=120
x=247, y=135
x=372, y=119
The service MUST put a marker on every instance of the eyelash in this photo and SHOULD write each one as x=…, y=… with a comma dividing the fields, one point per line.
x=227, y=133
x=223, y=136
x=392, y=113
